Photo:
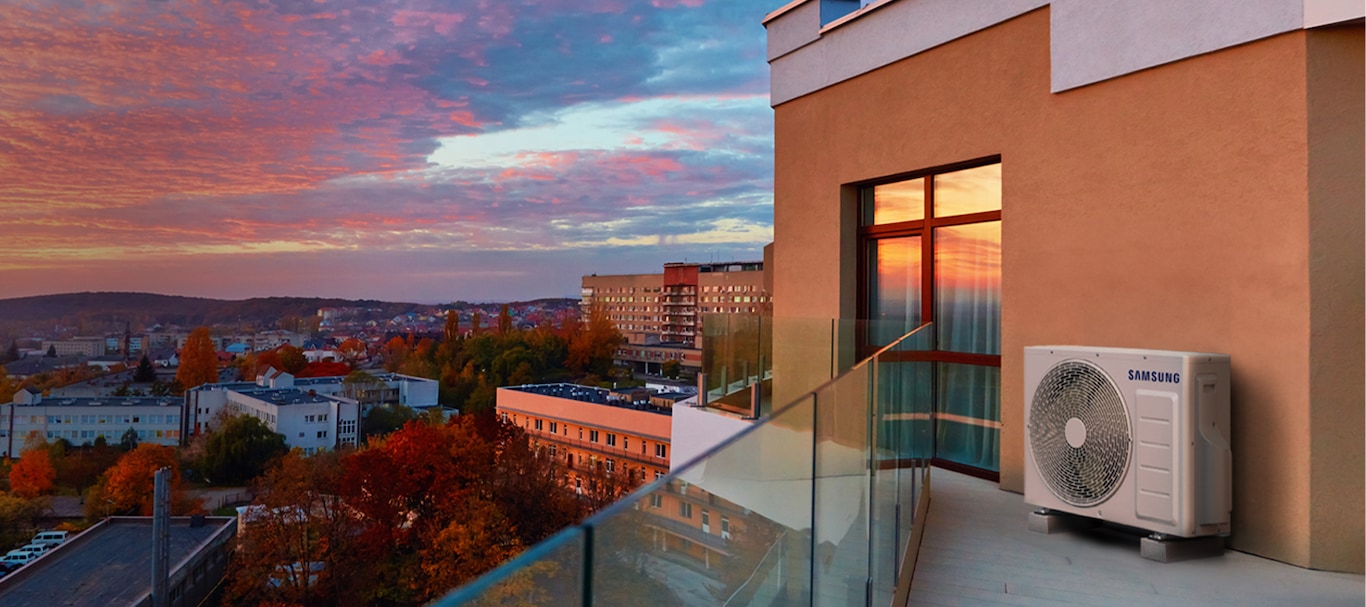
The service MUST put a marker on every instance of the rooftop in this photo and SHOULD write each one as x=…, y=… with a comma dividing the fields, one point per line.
x=587, y=394
x=106, y=401
x=111, y=564
x=978, y=550
x=285, y=396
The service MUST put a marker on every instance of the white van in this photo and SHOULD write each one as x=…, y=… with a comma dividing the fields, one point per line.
x=16, y=557
x=49, y=538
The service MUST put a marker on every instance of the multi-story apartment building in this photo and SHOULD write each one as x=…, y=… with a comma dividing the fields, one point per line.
x=83, y=420
x=588, y=428
x=660, y=315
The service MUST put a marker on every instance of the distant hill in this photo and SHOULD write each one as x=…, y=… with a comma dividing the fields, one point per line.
x=146, y=309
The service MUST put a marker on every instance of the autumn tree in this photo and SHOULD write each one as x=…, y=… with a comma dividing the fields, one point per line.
x=198, y=360
x=7, y=387
x=395, y=351
x=351, y=351
x=299, y=519
x=593, y=346
x=504, y=320
x=452, y=329
x=238, y=449
x=33, y=475
x=18, y=518
x=292, y=359
x=127, y=487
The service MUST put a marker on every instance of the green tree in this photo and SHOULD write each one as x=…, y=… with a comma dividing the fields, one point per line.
x=129, y=441
x=145, y=373
x=12, y=354
x=198, y=360
x=671, y=369
x=52, y=351
x=385, y=419
x=239, y=450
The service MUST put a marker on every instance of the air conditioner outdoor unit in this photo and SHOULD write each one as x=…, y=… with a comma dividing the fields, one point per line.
x=1135, y=437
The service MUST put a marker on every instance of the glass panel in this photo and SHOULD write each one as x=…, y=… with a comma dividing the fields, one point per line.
x=969, y=417
x=759, y=484
x=903, y=403
x=842, y=496
x=967, y=281
x=893, y=288
x=549, y=573
x=894, y=202
x=968, y=191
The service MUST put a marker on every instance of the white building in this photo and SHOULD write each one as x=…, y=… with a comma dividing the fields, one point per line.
x=81, y=420
x=308, y=418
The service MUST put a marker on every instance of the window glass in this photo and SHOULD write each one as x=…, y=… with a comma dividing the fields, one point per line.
x=967, y=287
x=967, y=423
x=894, y=202
x=972, y=190
x=893, y=287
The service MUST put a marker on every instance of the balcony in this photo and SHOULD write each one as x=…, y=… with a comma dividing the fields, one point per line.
x=827, y=501
x=822, y=500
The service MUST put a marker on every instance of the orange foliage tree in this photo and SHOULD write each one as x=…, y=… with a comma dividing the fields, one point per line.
x=198, y=360
x=127, y=487
x=351, y=351
x=33, y=475
x=593, y=345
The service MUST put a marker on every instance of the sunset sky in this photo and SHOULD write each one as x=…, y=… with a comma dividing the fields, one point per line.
x=409, y=150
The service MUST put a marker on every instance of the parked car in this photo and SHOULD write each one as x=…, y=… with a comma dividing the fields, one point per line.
x=36, y=550
x=49, y=538
x=17, y=557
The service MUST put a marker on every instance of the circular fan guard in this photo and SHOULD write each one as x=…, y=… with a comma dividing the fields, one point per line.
x=1089, y=473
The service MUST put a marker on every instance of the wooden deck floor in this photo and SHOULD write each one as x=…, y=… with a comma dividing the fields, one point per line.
x=978, y=551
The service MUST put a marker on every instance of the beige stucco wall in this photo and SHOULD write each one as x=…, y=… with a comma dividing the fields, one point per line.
x=1164, y=209
x=1336, y=254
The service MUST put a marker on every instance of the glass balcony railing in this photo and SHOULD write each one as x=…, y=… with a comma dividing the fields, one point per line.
x=738, y=353
x=814, y=504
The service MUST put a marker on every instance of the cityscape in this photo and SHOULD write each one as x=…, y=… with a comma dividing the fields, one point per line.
x=682, y=303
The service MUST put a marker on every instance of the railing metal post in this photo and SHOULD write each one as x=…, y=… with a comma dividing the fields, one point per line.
x=701, y=390
x=811, y=555
x=755, y=397
x=586, y=598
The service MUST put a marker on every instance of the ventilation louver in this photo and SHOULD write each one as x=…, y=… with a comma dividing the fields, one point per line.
x=1080, y=433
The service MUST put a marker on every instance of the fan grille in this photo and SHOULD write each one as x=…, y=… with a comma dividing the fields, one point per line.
x=1088, y=473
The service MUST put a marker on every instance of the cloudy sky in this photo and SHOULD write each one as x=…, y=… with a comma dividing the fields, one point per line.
x=413, y=150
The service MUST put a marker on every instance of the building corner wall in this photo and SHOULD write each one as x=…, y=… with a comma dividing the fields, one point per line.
x=1335, y=84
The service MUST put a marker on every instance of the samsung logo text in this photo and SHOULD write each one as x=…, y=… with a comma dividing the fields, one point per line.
x=1154, y=376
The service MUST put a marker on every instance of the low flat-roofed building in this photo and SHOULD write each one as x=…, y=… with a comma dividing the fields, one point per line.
x=81, y=420
x=110, y=564
x=84, y=346
x=581, y=425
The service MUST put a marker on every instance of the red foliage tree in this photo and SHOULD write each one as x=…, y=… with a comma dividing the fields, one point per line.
x=33, y=475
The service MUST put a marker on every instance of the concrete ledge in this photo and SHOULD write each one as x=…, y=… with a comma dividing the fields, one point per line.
x=1171, y=550
x=1051, y=521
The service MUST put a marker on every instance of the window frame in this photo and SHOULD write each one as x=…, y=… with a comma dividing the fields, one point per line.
x=924, y=228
